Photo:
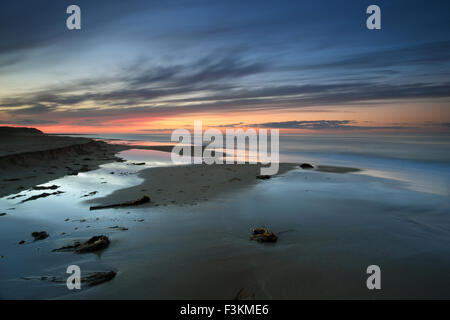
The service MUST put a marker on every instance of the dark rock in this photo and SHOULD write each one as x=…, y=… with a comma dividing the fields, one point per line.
x=137, y=202
x=40, y=235
x=21, y=241
x=2, y=214
x=94, y=244
x=42, y=195
x=263, y=235
x=91, y=279
x=263, y=177
x=53, y=187
x=258, y=231
x=98, y=278
x=139, y=163
x=89, y=194
x=119, y=228
x=306, y=166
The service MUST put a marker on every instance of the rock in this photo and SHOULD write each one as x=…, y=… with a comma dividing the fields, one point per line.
x=137, y=202
x=263, y=235
x=40, y=235
x=234, y=179
x=120, y=228
x=53, y=187
x=91, y=279
x=21, y=241
x=89, y=194
x=2, y=214
x=263, y=177
x=306, y=166
x=258, y=231
x=94, y=244
x=139, y=163
x=42, y=195
x=98, y=278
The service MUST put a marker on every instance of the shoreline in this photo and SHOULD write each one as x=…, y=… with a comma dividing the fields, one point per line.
x=43, y=158
x=50, y=157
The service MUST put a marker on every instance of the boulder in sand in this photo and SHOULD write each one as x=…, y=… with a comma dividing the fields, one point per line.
x=263, y=235
x=306, y=166
x=94, y=244
x=40, y=235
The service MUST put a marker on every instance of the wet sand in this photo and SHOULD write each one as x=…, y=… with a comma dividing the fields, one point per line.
x=189, y=184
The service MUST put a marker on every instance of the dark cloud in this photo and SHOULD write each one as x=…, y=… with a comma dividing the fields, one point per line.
x=28, y=121
x=231, y=125
x=321, y=125
x=36, y=109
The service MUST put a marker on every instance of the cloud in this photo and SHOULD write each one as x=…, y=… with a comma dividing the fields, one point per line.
x=28, y=121
x=321, y=125
x=36, y=109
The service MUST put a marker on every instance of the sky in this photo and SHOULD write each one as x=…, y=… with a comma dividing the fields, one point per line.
x=302, y=66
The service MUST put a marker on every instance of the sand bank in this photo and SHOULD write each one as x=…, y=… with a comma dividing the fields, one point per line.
x=189, y=184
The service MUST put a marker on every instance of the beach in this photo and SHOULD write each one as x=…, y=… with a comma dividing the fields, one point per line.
x=191, y=239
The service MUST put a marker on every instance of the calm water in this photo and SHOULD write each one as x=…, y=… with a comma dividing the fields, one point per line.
x=395, y=213
x=422, y=161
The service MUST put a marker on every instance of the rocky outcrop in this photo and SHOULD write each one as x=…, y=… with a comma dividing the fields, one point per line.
x=263, y=235
x=132, y=203
x=94, y=244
